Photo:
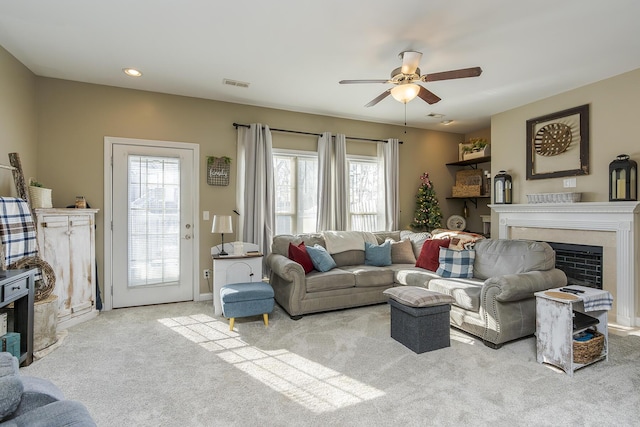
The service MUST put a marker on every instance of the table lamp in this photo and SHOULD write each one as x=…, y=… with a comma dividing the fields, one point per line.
x=222, y=224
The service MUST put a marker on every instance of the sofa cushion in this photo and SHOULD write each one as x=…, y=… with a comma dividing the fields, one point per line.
x=456, y=263
x=430, y=252
x=370, y=276
x=402, y=252
x=383, y=236
x=11, y=387
x=497, y=257
x=377, y=255
x=330, y=280
x=300, y=255
x=465, y=292
x=415, y=296
x=320, y=258
x=412, y=276
x=281, y=242
x=346, y=258
x=417, y=239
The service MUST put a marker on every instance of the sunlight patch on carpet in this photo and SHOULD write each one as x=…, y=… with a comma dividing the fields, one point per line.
x=310, y=384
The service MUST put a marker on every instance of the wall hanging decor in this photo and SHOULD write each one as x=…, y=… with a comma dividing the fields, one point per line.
x=623, y=179
x=558, y=144
x=218, y=170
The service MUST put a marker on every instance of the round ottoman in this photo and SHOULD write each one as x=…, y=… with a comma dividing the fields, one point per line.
x=246, y=299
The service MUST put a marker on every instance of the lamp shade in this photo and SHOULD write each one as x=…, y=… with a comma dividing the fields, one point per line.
x=405, y=93
x=221, y=224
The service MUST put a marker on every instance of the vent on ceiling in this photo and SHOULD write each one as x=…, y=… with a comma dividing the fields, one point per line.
x=435, y=115
x=235, y=83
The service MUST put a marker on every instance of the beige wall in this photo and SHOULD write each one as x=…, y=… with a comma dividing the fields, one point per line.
x=18, y=124
x=74, y=118
x=614, y=129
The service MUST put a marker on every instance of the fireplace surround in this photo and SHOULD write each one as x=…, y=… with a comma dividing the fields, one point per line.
x=614, y=225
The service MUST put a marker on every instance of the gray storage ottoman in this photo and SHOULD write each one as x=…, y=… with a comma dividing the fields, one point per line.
x=420, y=318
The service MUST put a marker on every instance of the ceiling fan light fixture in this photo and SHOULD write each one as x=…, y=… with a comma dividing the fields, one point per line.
x=405, y=93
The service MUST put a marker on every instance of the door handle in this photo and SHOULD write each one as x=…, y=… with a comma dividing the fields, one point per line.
x=188, y=236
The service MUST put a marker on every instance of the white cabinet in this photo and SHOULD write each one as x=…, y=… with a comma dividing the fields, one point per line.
x=66, y=238
x=555, y=329
x=243, y=267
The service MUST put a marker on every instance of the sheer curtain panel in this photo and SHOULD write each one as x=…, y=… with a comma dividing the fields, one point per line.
x=389, y=152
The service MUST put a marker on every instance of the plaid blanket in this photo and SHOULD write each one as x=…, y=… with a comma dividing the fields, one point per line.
x=17, y=230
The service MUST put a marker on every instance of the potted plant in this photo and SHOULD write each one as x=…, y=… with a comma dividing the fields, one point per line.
x=476, y=148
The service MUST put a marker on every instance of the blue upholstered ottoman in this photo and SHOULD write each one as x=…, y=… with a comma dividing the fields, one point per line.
x=246, y=299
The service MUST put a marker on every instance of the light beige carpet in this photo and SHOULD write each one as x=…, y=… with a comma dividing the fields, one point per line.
x=177, y=365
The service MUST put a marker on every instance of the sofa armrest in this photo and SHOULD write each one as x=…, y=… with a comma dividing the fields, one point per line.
x=288, y=269
x=516, y=287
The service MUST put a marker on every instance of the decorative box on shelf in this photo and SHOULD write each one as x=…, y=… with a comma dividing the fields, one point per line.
x=483, y=152
x=468, y=183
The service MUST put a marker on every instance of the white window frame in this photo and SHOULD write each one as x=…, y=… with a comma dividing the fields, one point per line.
x=380, y=211
x=295, y=214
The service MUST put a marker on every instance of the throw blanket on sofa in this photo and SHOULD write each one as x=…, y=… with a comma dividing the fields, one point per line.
x=342, y=241
x=17, y=231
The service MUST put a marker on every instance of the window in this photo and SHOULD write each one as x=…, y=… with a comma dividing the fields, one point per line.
x=296, y=182
x=366, y=194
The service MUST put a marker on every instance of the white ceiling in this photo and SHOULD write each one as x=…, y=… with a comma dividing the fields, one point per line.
x=294, y=52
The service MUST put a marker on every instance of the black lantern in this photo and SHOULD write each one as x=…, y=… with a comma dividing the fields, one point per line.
x=623, y=183
x=502, y=188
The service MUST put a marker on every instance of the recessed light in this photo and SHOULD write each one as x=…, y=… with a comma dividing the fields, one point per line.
x=132, y=72
x=446, y=122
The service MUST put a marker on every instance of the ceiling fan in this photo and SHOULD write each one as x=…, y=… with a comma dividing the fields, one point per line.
x=405, y=78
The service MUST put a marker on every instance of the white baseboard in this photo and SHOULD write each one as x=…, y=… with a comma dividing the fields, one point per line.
x=205, y=297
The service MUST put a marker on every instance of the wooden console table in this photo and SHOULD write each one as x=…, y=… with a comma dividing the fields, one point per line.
x=18, y=287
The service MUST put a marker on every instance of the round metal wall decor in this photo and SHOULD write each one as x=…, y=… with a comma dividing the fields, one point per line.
x=553, y=139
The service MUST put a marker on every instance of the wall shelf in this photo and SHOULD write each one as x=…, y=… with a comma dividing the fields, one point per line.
x=471, y=162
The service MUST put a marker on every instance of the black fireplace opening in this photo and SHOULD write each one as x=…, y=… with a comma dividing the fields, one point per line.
x=581, y=263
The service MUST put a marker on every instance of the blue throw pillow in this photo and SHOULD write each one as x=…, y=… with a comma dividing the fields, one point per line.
x=378, y=255
x=320, y=258
x=458, y=264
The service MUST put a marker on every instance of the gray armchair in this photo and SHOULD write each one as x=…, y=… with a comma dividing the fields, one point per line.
x=30, y=401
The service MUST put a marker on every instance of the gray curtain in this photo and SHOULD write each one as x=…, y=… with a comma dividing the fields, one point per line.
x=389, y=153
x=341, y=185
x=255, y=192
x=325, y=219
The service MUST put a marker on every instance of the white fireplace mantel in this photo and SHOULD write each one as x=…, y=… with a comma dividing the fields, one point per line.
x=619, y=217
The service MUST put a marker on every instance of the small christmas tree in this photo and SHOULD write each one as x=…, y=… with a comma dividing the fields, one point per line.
x=428, y=215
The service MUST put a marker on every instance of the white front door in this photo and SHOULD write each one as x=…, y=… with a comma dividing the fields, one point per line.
x=153, y=224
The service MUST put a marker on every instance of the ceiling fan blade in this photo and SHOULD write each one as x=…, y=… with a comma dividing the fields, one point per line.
x=410, y=61
x=348, y=82
x=453, y=74
x=428, y=96
x=379, y=98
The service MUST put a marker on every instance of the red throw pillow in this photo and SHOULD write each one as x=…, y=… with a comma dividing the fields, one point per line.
x=430, y=252
x=300, y=255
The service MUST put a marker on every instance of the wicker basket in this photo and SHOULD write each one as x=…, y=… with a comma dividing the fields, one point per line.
x=467, y=190
x=40, y=197
x=587, y=351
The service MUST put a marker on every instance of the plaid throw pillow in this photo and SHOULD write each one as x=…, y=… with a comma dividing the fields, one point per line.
x=457, y=264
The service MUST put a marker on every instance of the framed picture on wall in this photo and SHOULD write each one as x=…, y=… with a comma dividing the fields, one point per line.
x=558, y=144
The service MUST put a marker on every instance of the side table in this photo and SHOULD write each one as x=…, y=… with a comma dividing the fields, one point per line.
x=230, y=269
x=18, y=287
x=555, y=329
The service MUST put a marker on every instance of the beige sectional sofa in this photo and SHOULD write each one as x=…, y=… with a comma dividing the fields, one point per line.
x=497, y=304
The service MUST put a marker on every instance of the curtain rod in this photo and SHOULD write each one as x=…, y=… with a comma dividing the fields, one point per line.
x=236, y=125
